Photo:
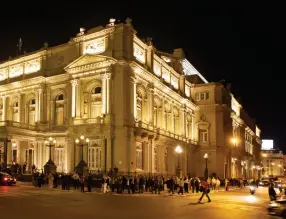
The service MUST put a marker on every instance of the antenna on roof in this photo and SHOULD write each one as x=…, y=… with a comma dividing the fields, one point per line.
x=19, y=47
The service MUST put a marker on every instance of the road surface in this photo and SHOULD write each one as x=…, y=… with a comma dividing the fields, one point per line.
x=26, y=202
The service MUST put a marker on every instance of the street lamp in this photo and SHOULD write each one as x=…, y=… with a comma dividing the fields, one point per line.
x=82, y=167
x=206, y=156
x=178, y=151
x=50, y=166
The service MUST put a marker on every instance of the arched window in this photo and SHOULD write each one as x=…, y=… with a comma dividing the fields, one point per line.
x=31, y=111
x=60, y=109
x=95, y=97
x=175, y=120
x=15, y=111
x=60, y=97
x=139, y=156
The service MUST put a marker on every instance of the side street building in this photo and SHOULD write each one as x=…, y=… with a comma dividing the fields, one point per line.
x=135, y=103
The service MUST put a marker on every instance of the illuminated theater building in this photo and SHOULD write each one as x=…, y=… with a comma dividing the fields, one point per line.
x=135, y=104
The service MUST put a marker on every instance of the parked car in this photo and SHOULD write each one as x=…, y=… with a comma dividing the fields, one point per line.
x=264, y=183
x=6, y=179
x=278, y=207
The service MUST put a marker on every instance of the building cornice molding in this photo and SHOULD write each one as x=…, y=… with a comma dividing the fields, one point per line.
x=90, y=63
x=159, y=87
x=92, y=36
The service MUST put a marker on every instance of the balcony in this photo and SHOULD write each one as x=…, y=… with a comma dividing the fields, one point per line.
x=140, y=126
x=12, y=124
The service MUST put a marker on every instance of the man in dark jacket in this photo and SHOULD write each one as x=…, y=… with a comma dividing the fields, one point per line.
x=271, y=192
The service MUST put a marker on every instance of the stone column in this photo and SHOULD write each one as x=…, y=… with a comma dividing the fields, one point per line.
x=103, y=93
x=133, y=81
x=36, y=155
x=108, y=154
x=172, y=119
x=9, y=153
x=74, y=83
x=41, y=110
x=146, y=157
x=18, y=152
x=37, y=106
x=183, y=120
x=70, y=155
x=78, y=99
x=193, y=128
x=163, y=115
x=108, y=93
x=4, y=110
x=19, y=107
x=150, y=103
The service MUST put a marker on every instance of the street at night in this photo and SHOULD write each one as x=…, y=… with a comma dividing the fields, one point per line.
x=30, y=202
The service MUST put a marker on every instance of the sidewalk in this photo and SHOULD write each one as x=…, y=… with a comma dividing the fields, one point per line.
x=163, y=193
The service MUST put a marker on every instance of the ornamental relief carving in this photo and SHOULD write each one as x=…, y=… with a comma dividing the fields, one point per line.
x=95, y=47
x=32, y=66
x=15, y=70
x=3, y=74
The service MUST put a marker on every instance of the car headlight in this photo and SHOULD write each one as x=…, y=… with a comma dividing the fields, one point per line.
x=274, y=204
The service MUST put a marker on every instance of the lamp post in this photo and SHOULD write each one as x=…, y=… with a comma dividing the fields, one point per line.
x=82, y=167
x=234, y=142
x=178, y=151
x=50, y=166
x=206, y=156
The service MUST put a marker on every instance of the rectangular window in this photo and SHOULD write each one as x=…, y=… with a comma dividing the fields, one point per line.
x=139, y=156
x=59, y=159
x=156, y=159
x=203, y=136
x=202, y=96
x=94, y=158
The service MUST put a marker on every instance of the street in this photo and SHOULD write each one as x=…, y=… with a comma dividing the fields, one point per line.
x=27, y=202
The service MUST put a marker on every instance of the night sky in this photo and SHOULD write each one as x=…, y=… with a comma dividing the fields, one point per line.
x=244, y=44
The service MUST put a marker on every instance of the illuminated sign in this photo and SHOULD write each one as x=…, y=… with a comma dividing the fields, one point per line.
x=267, y=144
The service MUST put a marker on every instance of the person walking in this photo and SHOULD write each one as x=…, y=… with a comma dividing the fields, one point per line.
x=205, y=189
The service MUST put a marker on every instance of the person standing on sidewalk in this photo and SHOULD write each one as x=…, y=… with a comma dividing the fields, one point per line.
x=205, y=189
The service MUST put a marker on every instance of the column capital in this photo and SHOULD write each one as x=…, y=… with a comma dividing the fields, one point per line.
x=105, y=75
x=74, y=82
x=133, y=79
x=150, y=87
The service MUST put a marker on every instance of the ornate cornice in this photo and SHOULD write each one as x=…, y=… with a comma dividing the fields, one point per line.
x=91, y=36
x=160, y=88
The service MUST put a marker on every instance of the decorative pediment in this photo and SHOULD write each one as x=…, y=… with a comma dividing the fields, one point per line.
x=89, y=62
x=202, y=124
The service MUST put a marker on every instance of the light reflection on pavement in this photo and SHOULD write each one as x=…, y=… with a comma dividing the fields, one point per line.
x=238, y=204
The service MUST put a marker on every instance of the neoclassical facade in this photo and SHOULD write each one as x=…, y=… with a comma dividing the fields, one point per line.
x=135, y=104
